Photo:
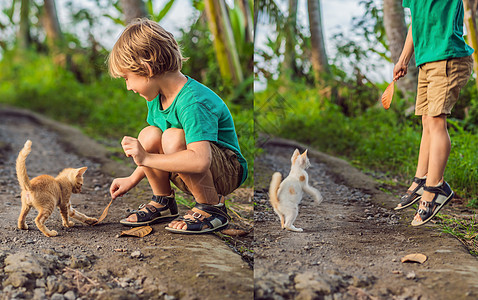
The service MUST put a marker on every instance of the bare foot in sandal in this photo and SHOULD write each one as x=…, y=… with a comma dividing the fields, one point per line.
x=202, y=218
x=161, y=208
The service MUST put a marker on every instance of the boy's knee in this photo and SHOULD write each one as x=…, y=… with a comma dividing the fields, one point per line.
x=150, y=138
x=173, y=140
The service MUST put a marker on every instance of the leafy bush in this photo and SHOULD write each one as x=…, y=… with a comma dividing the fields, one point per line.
x=102, y=108
x=385, y=141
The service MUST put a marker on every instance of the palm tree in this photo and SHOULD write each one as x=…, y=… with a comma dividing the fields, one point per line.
x=319, y=61
x=52, y=26
x=224, y=44
x=289, y=65
x=24, y=38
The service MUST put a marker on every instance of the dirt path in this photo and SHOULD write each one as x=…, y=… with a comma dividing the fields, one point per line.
x=94, y=262
x=352, y=243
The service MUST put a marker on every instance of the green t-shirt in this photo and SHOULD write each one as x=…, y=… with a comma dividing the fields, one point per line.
x=201, y=114
x=437, y=28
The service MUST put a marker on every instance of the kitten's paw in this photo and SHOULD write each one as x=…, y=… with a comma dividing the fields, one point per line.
x=295, y=229
x=91, y=221
x=23, y=226
x=69, y=224
x=52, y=233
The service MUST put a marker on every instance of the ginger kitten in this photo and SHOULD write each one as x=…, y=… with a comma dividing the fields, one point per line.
x=286, y=196
x=45, y=193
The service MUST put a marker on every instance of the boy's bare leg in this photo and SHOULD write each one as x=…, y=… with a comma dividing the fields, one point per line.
x=200, y=185
x=150, y=138
x=423, y=155
x=439, y=152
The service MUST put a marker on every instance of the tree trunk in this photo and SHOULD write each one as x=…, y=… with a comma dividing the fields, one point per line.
x=471, y=36
x=396, y=31
x=245, y=8
x=133, y=9
x=52, y=27
x=224, y=44
x=288, y=65
x=319, y=61
x=24, y=38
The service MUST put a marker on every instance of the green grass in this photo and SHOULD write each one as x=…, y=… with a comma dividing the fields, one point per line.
x=376, y=139
x=101, y=108
x=464, y=230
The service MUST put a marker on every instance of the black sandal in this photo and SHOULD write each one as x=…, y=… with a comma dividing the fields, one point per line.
x=443, y=194
x=153, y=214
x=412, y=196
x=215, y=217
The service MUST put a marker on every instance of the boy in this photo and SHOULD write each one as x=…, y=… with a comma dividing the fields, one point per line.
x=445, y=65
x=191, y=139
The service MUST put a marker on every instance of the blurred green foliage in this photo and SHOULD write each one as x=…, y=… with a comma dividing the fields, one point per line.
x=85, y=96
x=371, y=138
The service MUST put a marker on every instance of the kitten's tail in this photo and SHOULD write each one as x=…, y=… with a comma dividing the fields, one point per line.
x=22, y=175
x=273, y=188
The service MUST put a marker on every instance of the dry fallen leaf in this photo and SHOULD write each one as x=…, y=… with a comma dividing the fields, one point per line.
x=388, y=95
x=415, y=257
x=103, y=215
x=138, y=231
x=234, y=232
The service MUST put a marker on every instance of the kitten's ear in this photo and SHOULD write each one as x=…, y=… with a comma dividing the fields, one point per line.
x=295, y=155
x=305, y=153
x=81, y=171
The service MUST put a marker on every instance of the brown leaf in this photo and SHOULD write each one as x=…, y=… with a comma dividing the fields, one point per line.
x=388, y=95
x=103, y=215
x=415, y=257
x=234, y=232
x=138, y=231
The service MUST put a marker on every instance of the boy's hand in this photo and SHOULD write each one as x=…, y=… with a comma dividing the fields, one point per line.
x=133, y=148
x=399, y=70
x=120, y=186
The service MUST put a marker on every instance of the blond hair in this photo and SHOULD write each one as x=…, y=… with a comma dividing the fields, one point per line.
x=144, y=43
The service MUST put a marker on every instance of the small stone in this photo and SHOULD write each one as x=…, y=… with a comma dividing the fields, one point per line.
x=40, y=282
x=52, y=284
x=17, y=279
x=136, y=254
x=70, y=295
x=57, y=296
x=39, y=294
x=411, y=275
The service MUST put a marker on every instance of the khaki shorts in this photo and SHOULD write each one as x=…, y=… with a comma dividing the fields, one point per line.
x=439, y=84
x=225, y=168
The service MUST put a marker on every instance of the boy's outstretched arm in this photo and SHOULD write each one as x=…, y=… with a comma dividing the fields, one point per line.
x=196, y=158
x=401, y=67
x=121, y=186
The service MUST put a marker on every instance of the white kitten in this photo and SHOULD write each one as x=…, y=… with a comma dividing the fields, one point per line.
x=286, y=196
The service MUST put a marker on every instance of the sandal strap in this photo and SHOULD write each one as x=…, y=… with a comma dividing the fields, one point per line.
x=419, y=180
x=218, y=209
x=443, y=189
x=201, y=218
x=164, y=200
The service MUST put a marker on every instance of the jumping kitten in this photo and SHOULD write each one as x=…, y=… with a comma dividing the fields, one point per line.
x=45, y=192
x=286, y=196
